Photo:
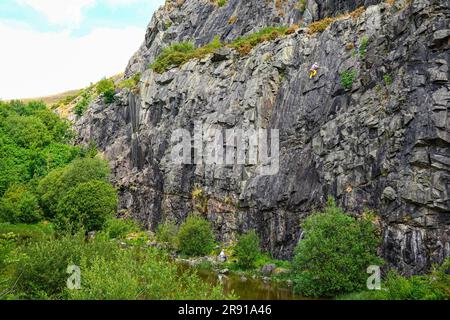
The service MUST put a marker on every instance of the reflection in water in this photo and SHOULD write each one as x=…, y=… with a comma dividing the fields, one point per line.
x=251, y=289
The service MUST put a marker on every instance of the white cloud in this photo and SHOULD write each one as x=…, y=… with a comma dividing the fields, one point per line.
x=35, y=64
x=115, y=3
x=68, y=13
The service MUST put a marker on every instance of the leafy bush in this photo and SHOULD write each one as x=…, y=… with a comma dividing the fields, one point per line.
x=104, y=279
x=247, y=250
x=435, y=286
x=221, y=3
x=141, y=274
x=41, y=273
x=265, y=259
x=87, y=206
x=387, y=79
x=7, y=245
x=27, y=131
x=107, y=88
x=335, y=253
x=57, y=155
x=19, y=205
x=120, y=228
x=57, y=183
x=83, y=104
x=348, y=78
x=363, y=47
x=130, y=83
x=26, y=233
x=195, y=237
x=167, y=233
x=59, y=129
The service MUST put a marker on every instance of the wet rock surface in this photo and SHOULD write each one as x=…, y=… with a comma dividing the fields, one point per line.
x=383, y=145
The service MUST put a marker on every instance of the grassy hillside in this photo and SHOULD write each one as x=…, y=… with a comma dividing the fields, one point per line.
x=52, y=99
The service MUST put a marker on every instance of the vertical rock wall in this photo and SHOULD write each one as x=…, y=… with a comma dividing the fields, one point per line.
x=383, y=145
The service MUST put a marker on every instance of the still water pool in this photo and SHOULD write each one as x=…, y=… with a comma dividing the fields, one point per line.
x=251, y=289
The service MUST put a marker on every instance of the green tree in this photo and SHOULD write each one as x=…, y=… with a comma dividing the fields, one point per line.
x=27, y=131
x=247, y=250
x=19, y=205
x=87, y=206
x=57, y=155
x=57, y=183
x=14, y=165
x=31, y=137
x=195, y=237
x=334, y=255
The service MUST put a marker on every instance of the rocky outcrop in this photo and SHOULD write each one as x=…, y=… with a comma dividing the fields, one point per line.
x=202, y=20
x=382, y=145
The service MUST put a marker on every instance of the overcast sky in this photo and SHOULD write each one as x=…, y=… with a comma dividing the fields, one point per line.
x=51, y=46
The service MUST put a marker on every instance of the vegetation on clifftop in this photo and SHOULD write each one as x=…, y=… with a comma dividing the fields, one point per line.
x=179, y=53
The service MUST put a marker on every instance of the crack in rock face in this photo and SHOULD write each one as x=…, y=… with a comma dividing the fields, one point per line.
x=382, y=143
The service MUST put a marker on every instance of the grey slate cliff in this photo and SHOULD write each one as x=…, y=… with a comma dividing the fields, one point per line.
x=383, y=145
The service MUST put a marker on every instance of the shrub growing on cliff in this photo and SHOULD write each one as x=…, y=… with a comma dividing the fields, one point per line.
x=247, y=250
x=348, y=78
x=195, y=237
x=245, y=44
x=174, y=55
x=363, y=47
x=335, y=253
x=301, y=5
x=107, y=88
x=221, y=3
x=320, y=25
x=387, y=79
x=83, y=104
x=130, y=83
x=179, y=53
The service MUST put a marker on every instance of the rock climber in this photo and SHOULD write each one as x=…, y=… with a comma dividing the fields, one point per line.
x=313, y=71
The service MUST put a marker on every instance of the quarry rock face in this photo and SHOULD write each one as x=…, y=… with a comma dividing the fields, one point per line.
x=382, y=144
